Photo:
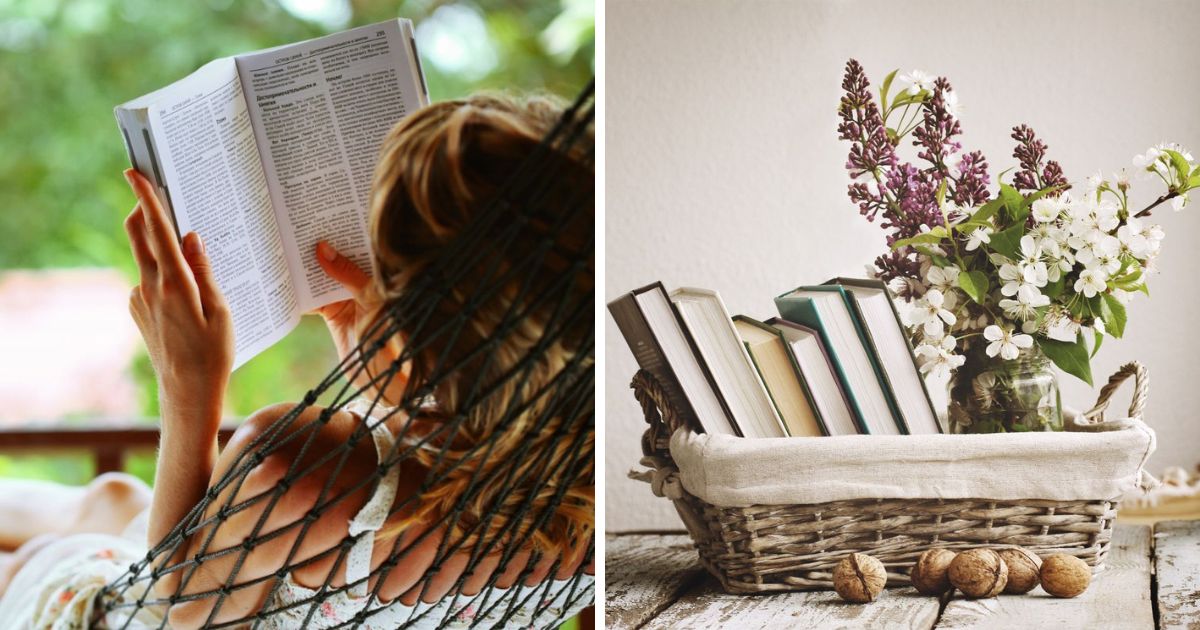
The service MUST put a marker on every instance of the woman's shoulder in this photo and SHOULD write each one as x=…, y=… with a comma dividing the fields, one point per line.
x=290, y=439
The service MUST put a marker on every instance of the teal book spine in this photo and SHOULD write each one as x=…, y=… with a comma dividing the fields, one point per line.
x=860, y=327
x=802, y=311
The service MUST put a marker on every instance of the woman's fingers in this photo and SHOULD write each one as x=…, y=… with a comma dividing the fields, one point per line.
x=135, y=227
x=160, y=234
x=341, y=268
x=212, y=301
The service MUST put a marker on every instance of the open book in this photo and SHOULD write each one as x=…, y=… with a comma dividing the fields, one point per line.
x=264, y=154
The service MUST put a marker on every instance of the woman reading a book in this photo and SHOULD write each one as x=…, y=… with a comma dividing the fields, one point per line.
x=438, y=169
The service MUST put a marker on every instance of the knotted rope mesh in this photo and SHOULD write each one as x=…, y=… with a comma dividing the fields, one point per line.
x=548, y=275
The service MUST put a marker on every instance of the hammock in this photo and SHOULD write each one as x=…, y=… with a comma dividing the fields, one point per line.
x=509, y=520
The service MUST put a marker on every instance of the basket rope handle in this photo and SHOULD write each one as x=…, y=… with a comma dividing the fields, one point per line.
x=1093, y=419
x=659, y=413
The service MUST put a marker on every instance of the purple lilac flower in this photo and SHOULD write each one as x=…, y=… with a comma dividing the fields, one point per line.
x=935, y=136
x=1030, y=152
x=900, y=263
x=870, y=149
x=916, y=198
x=971, y=189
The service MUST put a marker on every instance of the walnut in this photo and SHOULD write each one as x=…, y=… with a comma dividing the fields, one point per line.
x=859, y=578
x=1065, y=576
x=978, y=573
x=929, y=575
x=1023, y=567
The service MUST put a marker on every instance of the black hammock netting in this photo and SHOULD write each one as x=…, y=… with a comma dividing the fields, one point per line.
x=551, y=276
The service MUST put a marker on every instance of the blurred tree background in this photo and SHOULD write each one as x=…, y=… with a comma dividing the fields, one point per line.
x=64, y=65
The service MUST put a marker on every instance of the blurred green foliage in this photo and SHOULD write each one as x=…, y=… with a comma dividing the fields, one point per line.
x=64, y=65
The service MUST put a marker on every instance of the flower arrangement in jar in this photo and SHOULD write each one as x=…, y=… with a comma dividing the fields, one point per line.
x=1004, y=280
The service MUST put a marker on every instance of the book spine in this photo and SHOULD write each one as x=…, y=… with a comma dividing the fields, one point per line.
x=868, y=342
x=649, y=356
x=801, y=310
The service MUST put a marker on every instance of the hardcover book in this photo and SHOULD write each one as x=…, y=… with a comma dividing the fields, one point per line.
x=779, y=372
x=660, y=345
x=264, y=154
x=711, y=331
x=819, y=375
x=872, y=302
x=828, y=310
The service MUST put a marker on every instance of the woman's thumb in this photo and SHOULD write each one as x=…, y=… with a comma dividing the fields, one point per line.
x=341, y=268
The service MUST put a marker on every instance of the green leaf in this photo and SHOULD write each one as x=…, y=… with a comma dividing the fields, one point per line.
x=1128, y=281
x=1096, y=345
x=1113, y=314
x=936, y=259
x=1084, y=308
x=941, y=195
x=987, y=210
x=1194, y=181
x=1055, y=289
x=1008, y=242
x=1028, y=202
x=1180, y=163
x=974, y=284
x=1071, y=358
x=928, y=238
x=1014, y=203
x=883, y=91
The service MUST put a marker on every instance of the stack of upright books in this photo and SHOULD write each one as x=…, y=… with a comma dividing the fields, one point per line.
x=836, y=361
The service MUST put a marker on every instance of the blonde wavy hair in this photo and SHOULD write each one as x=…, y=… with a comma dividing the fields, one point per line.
x=438, y=170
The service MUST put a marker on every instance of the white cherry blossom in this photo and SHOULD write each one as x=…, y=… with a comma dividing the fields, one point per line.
x=944, y=279
x=1133, y=235
x=1024, y=308
x=977, y=236
x=916, y=81
x=953, y=107
x=937, y=356
x=1091, y=282
x=1045, y=210
x=930, y=313
x=1103, y=254
x=1004, y=343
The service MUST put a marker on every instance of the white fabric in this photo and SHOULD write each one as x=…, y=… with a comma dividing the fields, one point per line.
x=372, y=515
x=729, y=471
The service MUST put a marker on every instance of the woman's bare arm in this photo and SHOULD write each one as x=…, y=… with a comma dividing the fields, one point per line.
x=188, y=331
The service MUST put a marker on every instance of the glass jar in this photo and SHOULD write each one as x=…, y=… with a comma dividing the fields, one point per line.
x=993, y=395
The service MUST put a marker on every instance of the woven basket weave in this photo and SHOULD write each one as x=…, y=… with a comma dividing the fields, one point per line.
x=765, y=548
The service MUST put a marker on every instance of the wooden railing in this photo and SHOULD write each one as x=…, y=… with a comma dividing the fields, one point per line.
x=107, y=444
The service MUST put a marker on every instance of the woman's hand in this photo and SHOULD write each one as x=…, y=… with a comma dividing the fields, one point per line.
x=343, y=317
x=180, y=312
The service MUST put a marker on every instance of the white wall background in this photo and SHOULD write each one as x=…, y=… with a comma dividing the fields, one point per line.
x=724, y=169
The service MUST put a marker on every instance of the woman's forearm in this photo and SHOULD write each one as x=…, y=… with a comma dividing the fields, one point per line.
x=186, y=455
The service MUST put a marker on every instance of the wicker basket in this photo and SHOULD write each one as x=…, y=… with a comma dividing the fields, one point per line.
x=765, y=548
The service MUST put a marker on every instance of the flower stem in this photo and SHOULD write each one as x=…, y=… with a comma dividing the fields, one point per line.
x=1157, y=202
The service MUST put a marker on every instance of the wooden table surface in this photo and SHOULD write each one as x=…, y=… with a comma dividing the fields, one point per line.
x=1152, y=573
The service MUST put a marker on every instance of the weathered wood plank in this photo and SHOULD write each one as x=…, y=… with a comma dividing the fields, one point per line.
x=1177, y=569
x=709, y=607
x=1119, y=596
x=644, y=574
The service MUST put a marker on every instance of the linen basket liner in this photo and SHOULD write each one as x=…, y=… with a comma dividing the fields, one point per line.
x=729, y=471
x=777, y=514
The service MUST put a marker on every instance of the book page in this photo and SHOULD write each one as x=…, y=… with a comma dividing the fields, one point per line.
x=213, y=177
x=320, y=110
